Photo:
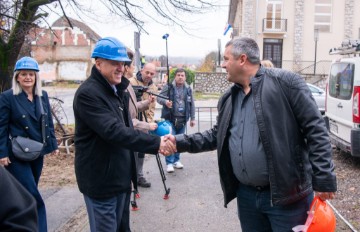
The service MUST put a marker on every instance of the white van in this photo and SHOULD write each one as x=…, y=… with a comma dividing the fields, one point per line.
x=342, y=107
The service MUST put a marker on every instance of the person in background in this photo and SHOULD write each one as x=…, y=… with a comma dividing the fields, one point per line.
x=267, y=63
x=163, y=82
x=142, y=61
x=178, y=110
x=273, y=152
x=144, y=79
x=105, y=165
x=135, y=107
x=21, y=116
x=18, y=208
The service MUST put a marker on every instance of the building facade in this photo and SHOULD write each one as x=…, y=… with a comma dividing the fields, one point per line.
x=296, y=34
x=64, y=52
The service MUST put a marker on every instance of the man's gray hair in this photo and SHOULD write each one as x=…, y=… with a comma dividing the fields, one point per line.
x=17, y=88
x=247, y=46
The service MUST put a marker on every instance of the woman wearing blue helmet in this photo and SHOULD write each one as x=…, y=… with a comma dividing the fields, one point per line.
x=23, y=107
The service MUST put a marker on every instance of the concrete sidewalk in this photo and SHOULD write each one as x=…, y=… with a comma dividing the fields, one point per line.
x=62, y=205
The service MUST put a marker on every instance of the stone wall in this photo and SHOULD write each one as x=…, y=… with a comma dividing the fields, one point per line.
x=349, y=18
x=217, y=82
x=248, y=20
x=211, y=82
x=298, y=33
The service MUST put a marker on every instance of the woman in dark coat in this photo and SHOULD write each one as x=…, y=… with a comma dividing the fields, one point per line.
x=21, y=116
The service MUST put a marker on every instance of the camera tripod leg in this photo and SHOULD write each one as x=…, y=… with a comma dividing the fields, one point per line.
x=163, y=177
x=134, y=206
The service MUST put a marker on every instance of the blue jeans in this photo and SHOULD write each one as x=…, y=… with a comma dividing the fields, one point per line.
x=109, y=214
x=171, y=159
x=28, y=174
x=256, y=213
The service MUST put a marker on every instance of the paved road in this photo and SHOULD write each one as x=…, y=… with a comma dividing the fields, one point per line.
x=195, y=203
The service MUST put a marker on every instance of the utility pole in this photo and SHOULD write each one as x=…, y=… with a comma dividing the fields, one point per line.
x=316, y=38
x=165, y=37
x=137, y=50
x=218, y=66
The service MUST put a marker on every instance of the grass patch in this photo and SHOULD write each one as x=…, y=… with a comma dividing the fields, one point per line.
x=66, y=84
x=63, y=84
x=206, y=96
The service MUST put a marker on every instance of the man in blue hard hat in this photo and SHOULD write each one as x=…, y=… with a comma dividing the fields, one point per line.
x=105, y=165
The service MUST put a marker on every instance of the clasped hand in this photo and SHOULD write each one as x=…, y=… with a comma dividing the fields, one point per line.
x=325, y=195
x=167, y=145
x=4, y=161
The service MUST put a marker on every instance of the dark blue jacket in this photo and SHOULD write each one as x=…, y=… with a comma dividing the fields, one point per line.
x=169, y=91
x=17, y=119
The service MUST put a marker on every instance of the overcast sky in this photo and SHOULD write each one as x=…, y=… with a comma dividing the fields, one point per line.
x=208, y=28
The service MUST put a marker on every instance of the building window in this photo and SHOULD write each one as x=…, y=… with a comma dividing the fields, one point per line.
x=273, y=15
x=323, y=15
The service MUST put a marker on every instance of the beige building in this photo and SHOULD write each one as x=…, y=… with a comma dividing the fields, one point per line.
x=296, y=33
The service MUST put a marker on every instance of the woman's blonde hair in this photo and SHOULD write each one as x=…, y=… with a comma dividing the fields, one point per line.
x=17, y=88
x=267, y=63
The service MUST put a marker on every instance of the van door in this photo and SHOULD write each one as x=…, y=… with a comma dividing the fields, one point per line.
x=340, y=98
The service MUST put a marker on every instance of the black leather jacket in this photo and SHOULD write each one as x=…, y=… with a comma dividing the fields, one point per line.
x=292, y=131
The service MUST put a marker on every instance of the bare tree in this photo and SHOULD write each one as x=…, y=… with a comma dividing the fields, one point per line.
x=18, y=17
x=208, y=65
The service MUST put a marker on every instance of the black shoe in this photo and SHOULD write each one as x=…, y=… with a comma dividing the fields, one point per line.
x=143, y=183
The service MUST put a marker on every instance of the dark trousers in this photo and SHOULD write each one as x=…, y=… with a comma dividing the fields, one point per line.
x=141, y=155
x=257, y=214
x=109, y=214
x=28, y=174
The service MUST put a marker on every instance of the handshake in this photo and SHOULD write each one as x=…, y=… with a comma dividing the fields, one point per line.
x=167, y=145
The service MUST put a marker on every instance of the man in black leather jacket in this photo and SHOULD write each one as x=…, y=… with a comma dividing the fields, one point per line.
x=273, y=146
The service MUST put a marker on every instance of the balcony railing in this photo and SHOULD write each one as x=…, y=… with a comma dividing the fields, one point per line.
x=272, y=25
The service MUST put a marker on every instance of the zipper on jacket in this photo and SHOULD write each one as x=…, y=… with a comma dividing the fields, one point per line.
x=253, y=101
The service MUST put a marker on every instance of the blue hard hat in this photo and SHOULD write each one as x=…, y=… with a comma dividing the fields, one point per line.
x=164, y=128
x=111, y=49
x=26, y=63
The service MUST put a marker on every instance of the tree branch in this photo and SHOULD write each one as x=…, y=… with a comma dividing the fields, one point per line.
x=36, y=3
x=67, y=19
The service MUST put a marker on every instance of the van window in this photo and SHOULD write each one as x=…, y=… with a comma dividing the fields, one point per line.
x=341, y=80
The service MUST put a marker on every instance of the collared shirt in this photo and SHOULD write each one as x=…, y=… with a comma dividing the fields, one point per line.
x=246, y=150
x=179, y=105
x=114, y=88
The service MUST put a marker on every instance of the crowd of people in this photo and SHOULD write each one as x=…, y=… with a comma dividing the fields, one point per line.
x=274, y=154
